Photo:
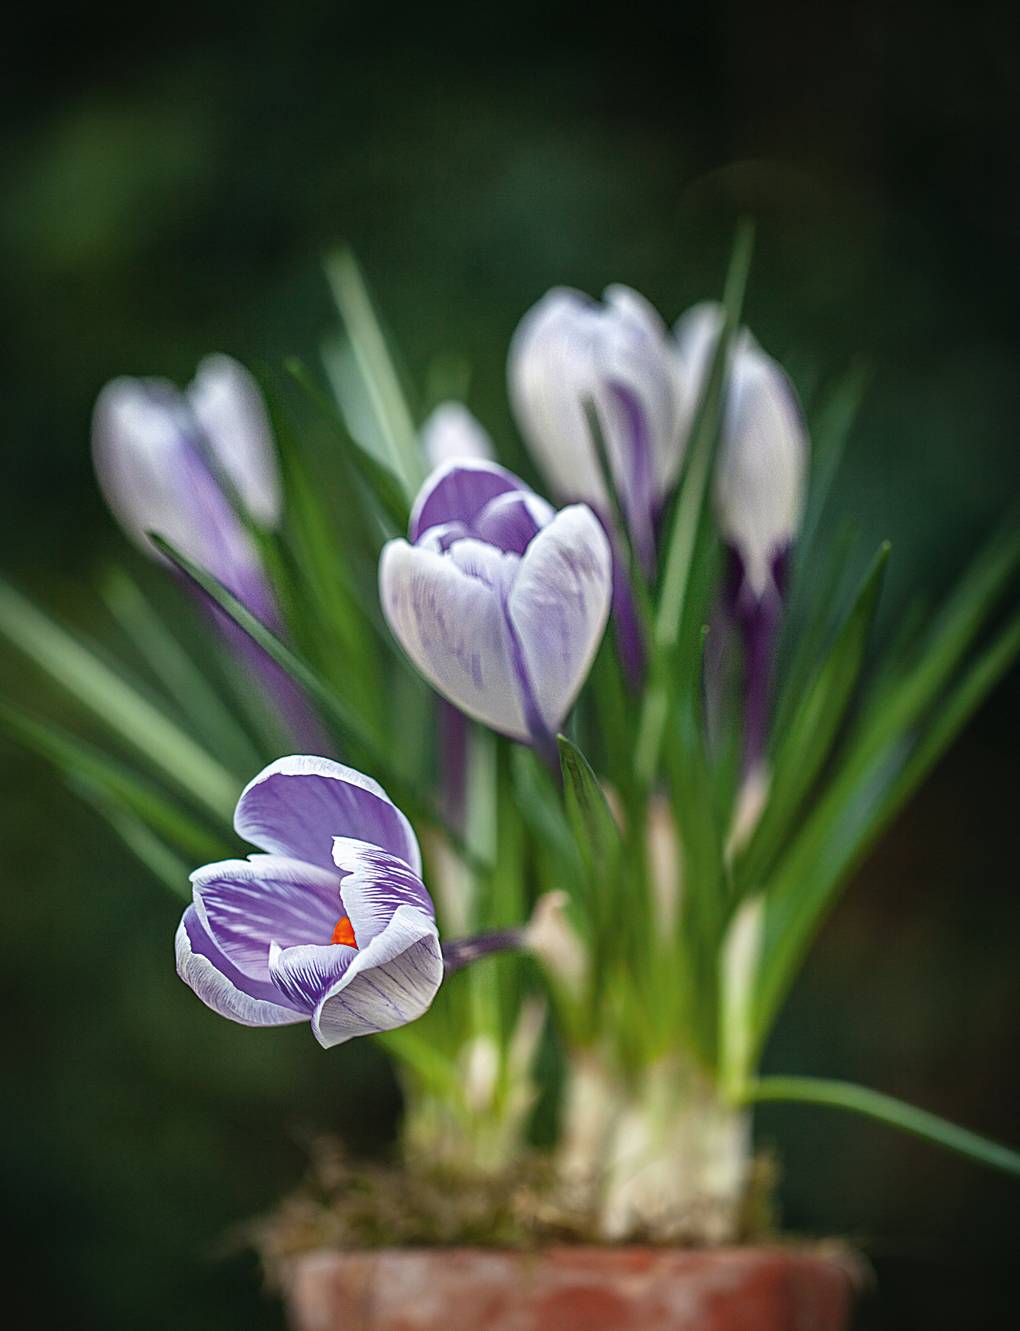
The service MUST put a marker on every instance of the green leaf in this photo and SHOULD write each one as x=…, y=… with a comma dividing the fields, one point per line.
x=805, y=744
x=878, y=773
x=346, y=718
x=379, y=373
x=117, y=782
x=348, y=721
x=166, y=866
x=123, y=710
x=173, y=667
x=690, y=532
x=595, y=830
x=382, y=485
x=830, y=434
x=886, y=1109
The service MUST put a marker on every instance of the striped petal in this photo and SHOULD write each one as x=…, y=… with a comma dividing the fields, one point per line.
x=246, y=905
x=297, y=805
x=446, y=611
x=222, y=986
x=229, y=409
x=388, y=983
x=558, y=607
x=374, y=885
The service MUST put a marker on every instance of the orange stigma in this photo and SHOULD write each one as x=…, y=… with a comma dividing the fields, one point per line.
x=343, y=932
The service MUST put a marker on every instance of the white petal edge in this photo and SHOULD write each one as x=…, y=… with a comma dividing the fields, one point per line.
x=228, y=405
x=559, y=606
x=304, y=764
x=388, y=984
x=223, y=997
x=452, y=627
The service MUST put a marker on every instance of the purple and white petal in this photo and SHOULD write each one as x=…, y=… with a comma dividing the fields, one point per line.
x=388, y=983
x=446, y=611
x=453, y=434
x=247, y=904
x=149, y=461
x=761, y=467
x=231, y=413
x=637, y=358
x=457, y=492
x=512, y=520
x=374, y=885
x=297, y=805
x=550, y=373
x=305, y=973
x=559, y=605
x=222, y=986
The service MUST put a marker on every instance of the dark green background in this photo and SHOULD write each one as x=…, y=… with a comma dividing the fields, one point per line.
x=169, y=180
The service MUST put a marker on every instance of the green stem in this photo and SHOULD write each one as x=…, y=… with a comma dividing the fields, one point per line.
x=873, y=1104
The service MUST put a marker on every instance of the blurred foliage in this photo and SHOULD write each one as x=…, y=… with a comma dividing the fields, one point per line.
x=170, y=184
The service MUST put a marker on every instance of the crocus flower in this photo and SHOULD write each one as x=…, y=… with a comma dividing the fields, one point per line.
x=171, y=462
x=451, y=434
x=759, y=493
x=332, y=924
x=186, y=465
x=568, y=350
x=498, y=600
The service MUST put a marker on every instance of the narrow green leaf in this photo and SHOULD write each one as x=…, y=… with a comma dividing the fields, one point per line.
x=117, y=781
x=166, y=866
x=170, y=663
x=805, y=744
x=345, y=717
x=689, y=528
x=886, y=1109
x=595, y=829
x=382, y=485
x=876, y=776
x=348, y=721
x=376, y=364
x=541, y=808
x=109, y=697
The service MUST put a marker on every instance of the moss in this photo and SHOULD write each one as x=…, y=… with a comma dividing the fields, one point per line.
x=348, y=1204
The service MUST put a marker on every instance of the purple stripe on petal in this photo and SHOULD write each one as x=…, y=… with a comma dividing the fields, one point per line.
x=449, y=620
x=297, y=805
x=389, y=983
x=305, y=974
x=559, y=605
x=248, y=904
x=635, y=479
x=374, y=885
x=224, y=988
x=457, y=492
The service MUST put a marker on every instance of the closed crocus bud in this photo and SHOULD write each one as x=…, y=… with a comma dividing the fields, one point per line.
x=761, y=469
x=176, y=463
x=759, y=495
x=452, y=434
x=187, y=465
x=569, y=350
x=498, y=600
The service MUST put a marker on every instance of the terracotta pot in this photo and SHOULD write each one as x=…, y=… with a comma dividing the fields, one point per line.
x=573, y=1289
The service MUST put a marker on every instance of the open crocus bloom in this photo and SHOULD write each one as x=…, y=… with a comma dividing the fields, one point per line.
x=569, y=349
x=499, y=601
x=332, y=925
x=171, y=462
